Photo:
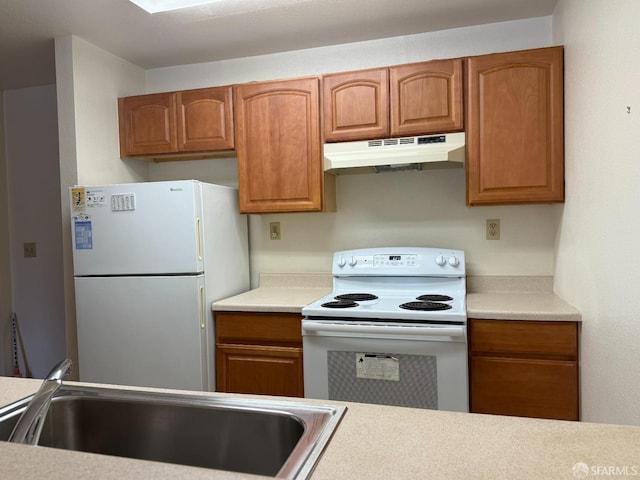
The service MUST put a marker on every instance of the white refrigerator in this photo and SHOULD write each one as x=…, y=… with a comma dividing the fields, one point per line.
x=149, y=259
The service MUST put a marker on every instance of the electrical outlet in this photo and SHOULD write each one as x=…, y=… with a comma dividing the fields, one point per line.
x=29, y=249
x=493, y=229
x=274, y=230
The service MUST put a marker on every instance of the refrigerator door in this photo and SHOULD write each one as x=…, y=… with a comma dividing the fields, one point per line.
x=148, y=331
x=137, y=228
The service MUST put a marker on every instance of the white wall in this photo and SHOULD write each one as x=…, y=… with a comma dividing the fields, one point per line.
x=34, y=216
x=597, y=262
x=426, y=208
x=99, y=78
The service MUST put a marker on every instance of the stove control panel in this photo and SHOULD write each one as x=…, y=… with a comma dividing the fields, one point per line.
x=395, y=260
x=413, y=261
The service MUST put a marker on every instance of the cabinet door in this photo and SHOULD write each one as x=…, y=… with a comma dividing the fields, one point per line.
x=262, y=370
x=278, y=145
x=147, y=124
x=524, y=387
x=515, y=150
x=426, y=98
x=205, y=119
x=356, y=105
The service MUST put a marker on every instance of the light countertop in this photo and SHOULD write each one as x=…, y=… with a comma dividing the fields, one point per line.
x=278, y=293
x=380, y=442
x=498, y=298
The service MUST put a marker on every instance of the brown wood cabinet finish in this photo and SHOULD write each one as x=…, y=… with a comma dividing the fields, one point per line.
x=205, y=119
x=524, y=368
x=259, y=353
x=515, y=142
x=426, y=98
x=404, y=100
x=147, y=124
x=356, y=105
x=278, y=145
x=198, y=120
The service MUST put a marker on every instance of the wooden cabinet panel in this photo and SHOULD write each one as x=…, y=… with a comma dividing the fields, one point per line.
x=278, y=145
x=515, y=143
x=524, y=368
x=199, y=120
x=525, y=337
x=356, y=105
x=205, y=119
x=426, y=97
x=522, y=387
x=259, y=353
x=260, y=370
x=147, y=124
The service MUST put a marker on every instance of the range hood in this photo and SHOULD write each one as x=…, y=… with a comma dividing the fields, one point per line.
x=393, y=154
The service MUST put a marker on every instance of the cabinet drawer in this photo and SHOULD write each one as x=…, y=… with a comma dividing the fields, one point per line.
x=524, y=337
x=258, y=328
x=528, y=388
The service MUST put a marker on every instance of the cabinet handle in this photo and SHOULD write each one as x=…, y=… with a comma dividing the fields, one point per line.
x=328, y=329
x=199, y=232
x=202, y=316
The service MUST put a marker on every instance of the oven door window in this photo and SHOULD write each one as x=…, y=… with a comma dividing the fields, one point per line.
x=383, y=378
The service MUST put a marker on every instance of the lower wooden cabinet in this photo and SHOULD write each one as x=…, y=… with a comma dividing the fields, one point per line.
x=524, y=368
x=259, y=353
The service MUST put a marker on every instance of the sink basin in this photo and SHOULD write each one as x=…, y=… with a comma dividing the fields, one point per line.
x=258, y=436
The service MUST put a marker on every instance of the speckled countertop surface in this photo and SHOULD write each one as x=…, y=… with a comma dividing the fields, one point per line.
x=380, y=442
x=278, y=293
x=499, y=298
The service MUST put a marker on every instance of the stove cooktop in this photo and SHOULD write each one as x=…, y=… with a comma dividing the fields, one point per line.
x=402, y=284
x=391, y=305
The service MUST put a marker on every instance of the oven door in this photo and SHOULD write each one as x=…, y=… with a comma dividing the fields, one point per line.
x=419, y=366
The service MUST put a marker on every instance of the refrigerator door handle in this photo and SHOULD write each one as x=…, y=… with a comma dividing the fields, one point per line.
x=199, y=232
x=202, y=302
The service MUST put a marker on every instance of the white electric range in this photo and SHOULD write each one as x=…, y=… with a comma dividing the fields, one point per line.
x=392, y=331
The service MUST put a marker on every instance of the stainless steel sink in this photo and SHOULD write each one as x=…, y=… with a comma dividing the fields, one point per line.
x=264, y=437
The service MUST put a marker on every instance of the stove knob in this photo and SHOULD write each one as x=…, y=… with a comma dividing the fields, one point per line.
x=353, y=261
x=440, y=260
x=453, y=261
x=341, y=262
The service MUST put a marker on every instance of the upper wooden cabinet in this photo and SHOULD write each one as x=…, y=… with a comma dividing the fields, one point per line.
x=426, y=98
x=404, y=100
x=188, y=121
x=278, y=145
x=515, y=143
x=205, y=119
x=356, y=105
x=147, y=124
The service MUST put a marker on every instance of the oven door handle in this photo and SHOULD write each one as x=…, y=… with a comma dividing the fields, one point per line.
x=430, y=330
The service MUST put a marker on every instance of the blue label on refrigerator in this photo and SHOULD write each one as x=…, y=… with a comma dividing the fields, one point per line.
x=84, y=238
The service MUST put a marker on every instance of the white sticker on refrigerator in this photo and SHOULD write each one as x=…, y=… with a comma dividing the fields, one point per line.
x=377, y=366
x=83, y=233
x=123, y=202
x=95, y=198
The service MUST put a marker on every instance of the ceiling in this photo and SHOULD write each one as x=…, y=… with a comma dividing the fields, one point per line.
x=226, y=29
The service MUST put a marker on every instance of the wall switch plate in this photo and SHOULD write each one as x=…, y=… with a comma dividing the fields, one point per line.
x=274, y=230
x=493, y=229
x=30, y=250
